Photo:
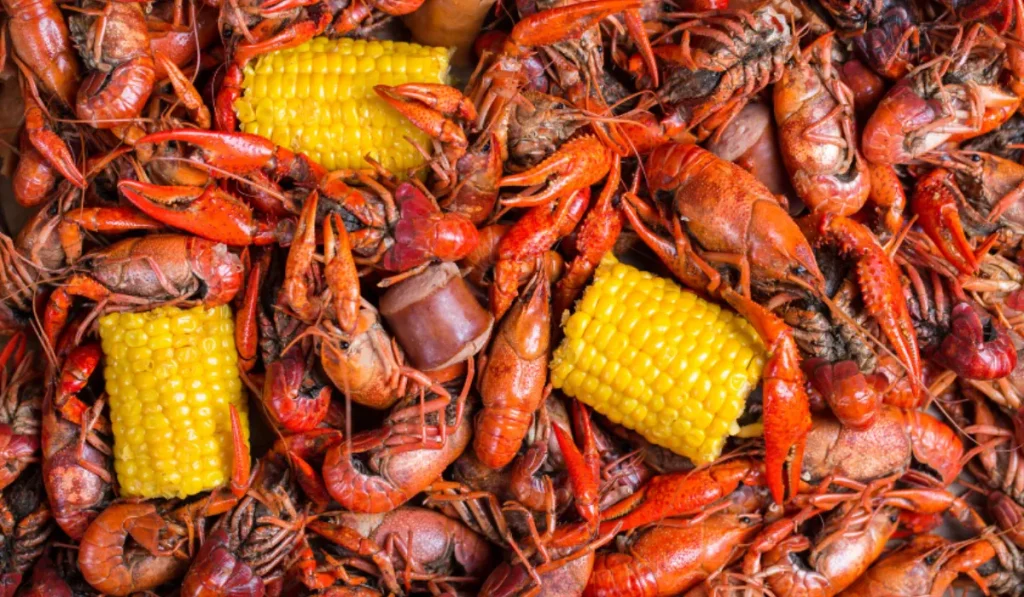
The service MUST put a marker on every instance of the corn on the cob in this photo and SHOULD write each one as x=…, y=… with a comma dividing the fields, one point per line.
x=659, y=360
x=318, y=98
x=172, y=375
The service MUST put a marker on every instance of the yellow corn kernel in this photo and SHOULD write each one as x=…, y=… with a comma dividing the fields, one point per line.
x=172, y=377
x=672, y=366
x=318, y=98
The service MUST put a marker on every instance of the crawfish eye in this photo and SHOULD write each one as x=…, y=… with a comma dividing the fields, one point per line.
x=745, y=520
x=930, y=559
x=799, y=270
x=975, y=158
x=894, y=517
x=344, y=345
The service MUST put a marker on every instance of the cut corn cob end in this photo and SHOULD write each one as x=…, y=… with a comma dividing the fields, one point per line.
x=658, y=359
x=318, y=98
x=171, y=377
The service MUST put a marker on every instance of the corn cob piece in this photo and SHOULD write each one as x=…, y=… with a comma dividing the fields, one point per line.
x=659, y=360
x=318, y=98
x=172, y=375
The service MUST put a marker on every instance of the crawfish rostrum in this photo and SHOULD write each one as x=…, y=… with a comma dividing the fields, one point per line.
x=845, y=176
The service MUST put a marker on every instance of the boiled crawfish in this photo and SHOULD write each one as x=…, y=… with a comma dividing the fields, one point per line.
x=709, y=81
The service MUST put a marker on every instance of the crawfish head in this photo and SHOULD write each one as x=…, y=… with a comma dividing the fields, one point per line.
x=975, y=349
x=985, y=181
x=364, y=364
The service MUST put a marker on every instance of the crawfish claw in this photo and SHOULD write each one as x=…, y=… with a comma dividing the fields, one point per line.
x=937, y=213
x=566, y=22
x=242, y=153
x=208, y=211
x=787, y=413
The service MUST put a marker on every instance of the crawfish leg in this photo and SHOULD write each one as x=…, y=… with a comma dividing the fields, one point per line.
x=677, y=253
x=356, y=543
x=87, y=436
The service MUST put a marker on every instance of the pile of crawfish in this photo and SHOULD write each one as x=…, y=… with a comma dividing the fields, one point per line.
x=847, y=175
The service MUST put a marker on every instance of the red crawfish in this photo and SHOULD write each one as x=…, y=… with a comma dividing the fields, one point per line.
x=885, y=34
x=40, y=38
x=668, y=559
x=855, y=397
x=927, y=565
x=356, y=353
x=980, y=200
x=116, y=49
x=77, y=462
x=814, y=110
x=412, y=545
x=514, y=375
x=247, y=550
x=878, y=279
x=503, y=74
x=718, y=64
x=733, y=219
x=114, y=567
x=955, y=332
x=397, y=228
x=134, y=546
x=897, y=438
x=952, y=98
x=527, y=241
x=543, y=138
x=561, y=561
x=293, y=392
x=381, y=469
x=853, y=537
x=46, y=155
x=42, y=46
x=685, y=493
x=137, y=272
x=466, y=169
x=46, y=243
